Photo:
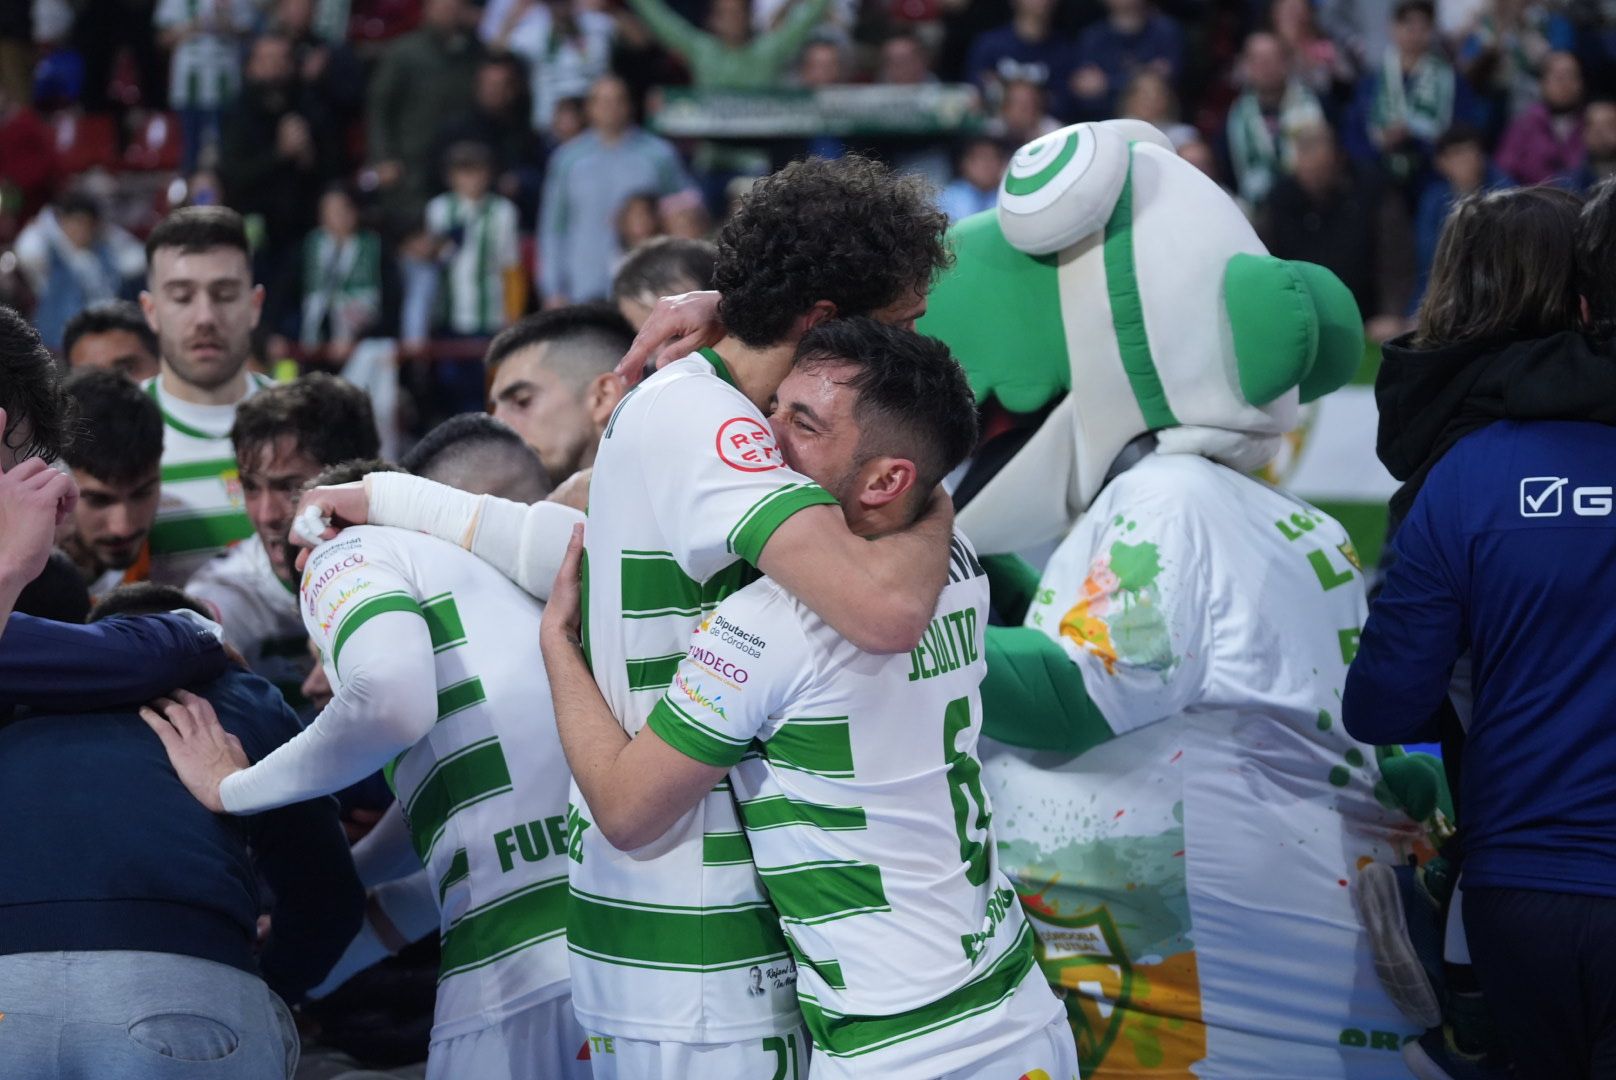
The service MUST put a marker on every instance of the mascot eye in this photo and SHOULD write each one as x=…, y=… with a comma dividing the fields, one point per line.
x=1062, y=187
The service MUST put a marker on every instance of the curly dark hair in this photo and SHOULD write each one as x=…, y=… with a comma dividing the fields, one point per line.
x=331, y=419
x=37, y=409
x=850, y=231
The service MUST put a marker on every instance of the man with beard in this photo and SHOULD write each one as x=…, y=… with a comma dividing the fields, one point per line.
x=115, y=463
x=201, y=302
x=281, y=438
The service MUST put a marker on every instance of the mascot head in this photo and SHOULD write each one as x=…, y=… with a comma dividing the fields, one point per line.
x=1119, y=284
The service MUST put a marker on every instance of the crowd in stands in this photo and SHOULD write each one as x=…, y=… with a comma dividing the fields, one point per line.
x=425, y=171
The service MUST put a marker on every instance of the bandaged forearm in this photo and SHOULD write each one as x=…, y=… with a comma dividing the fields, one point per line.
x=525, y=543
x=386, y=703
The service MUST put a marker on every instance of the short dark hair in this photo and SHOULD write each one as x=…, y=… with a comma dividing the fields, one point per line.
x=105, y=317
x=30, y=390
x=346, y=472
x=1501, y=270
x=77, y=202
x=194, y=229
x=913, y=399
x=330, y=418
x=147, y=598
x=1405, y=8
x=1460, y=134
x=850, y=231
x=459, y=439
x=664, y=265
x=58, y=593
x=1596, y=257
x=597, y=333
x=119, y=428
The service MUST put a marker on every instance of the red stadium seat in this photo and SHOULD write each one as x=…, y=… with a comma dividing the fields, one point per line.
x=84, y=142
x=155, y=144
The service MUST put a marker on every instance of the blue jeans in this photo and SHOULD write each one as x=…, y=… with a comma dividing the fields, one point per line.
x=139, y=1016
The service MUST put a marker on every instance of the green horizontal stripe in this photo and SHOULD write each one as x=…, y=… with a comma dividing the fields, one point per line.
x=443, y=622
x=752, y=534
x=725, y=849
x=820, y=745
x=211, y=469
x=691, y=737
x=654, y=584
x=654, y=672
x=460, y=696
x=362, y=613
x=831, y=972
x=199, y=532
x=505, y=926
x=849, y=1036
x=459, y=870
x=672, y=938
x=472, y=774
x=777, y=811
x=820, y=892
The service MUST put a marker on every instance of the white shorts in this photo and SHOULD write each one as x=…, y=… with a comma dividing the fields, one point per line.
x=543, y=1042
x=1051, y=1054
x=781, y=1057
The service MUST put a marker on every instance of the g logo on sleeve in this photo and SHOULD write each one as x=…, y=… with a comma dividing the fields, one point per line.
x=748, y=445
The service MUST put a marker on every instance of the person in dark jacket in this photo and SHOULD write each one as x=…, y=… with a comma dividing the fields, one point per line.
x=1500, y=418
x=128, y=913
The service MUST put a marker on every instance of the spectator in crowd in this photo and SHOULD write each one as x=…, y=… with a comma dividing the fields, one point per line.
x=552, y=378
x=127, y=944
x=905, y=60
x=114, y=459
x=339, y=282
x=327, y=68
x=1545, y=140
x=1331, y=214
x=1131, y=38
x=1462, y=170
x=73, y=259
x=111, y=335
x=27, y=153
x=1493, y=399
x=727, y=55
x=975, y=188
x=499, y=120
x=565, y=47
x=666, y=266
x=282, y=438
x=477, y=453
x=1599, y=144
x=1361, y=28
x=201, y=302
x=475, y=231
x=1317, y=62
x=1503, y=56
x=101, y=32
x=637, y=221
x=203, y=66
x=1023, y=114
x=1149, y=97
x=1408, y=100
x=1027, y=49
x=1264, y=119
x=421, y=80
x=822, y=63
x=588, y=181
x=279, y=149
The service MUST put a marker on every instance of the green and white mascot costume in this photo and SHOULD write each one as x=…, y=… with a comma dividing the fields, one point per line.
x=1182, y=812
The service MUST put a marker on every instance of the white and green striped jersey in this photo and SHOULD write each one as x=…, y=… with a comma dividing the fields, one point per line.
x=861, y=803
x=259, y=614
x=670, y=943
x=201, y=510
x=485, y=792
x=485, y=245
x=205, y=69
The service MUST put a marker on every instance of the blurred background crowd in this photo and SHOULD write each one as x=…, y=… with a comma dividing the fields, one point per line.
x=423, y=172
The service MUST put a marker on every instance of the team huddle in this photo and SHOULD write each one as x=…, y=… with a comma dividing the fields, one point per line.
x=742, y=773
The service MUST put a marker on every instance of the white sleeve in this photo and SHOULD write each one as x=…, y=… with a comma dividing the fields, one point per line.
x=525, y=543
x=386, y=853
x=510, y=239
x=377, y=652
